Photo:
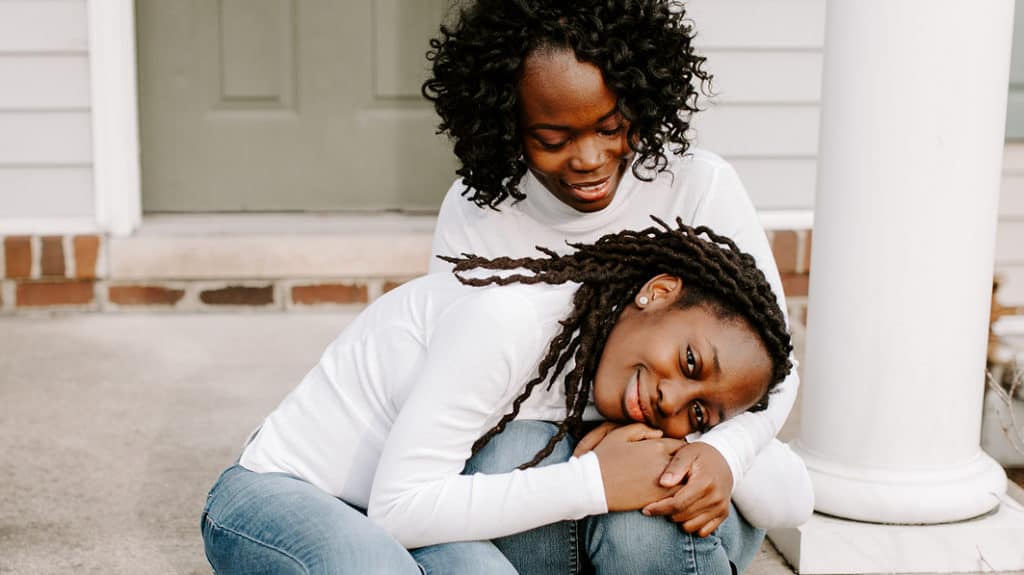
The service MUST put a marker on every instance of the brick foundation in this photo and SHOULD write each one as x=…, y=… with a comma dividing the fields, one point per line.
x=71, y=273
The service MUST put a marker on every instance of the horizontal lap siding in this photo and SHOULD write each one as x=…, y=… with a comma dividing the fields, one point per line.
x=36, y=82
x=43, y=26
x=1010, y=237
x=766, y=59
x=779, y=183
x=45, y=119
x=764, y=24
x=48, y=192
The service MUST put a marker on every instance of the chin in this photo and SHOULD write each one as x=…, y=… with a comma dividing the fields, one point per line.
x=590, y=207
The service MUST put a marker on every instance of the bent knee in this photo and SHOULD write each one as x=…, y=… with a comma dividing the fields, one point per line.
x=466, y=557
x=630, y=542
x=518, y=444
x=230, y=552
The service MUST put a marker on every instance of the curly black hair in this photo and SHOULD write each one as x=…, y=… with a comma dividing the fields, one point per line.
x=611, y=272
x=643, y=48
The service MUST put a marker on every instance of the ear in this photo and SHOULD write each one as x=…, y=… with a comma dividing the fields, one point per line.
x=660, y=291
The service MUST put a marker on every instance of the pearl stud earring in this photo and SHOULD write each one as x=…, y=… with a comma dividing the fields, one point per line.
x=643, y=300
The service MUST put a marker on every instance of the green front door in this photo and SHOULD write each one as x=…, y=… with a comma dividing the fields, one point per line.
x=288, y=105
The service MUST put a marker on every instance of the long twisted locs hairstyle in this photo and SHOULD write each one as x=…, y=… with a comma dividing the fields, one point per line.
x=643, y=48
x=611, y=272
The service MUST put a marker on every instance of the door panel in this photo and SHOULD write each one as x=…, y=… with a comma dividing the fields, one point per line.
x=288, y=105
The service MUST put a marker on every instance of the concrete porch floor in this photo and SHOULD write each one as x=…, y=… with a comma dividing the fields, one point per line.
x=113, y=427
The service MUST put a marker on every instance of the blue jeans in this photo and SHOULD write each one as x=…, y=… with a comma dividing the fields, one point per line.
x=619, y=543
x=256, y=523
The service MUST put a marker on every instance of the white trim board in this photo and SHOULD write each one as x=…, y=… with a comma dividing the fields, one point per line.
x=116, y=170
x=48, y=226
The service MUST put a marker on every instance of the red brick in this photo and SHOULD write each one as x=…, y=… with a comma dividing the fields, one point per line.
x=239, y=295
x=329, y=293
x=51, y=262
x=144, y=295
x=53, y=293
x=795, y=285
x=784, y=247
x=87, y=249
x=18, y=254
x=807, y=251
x=390, y=285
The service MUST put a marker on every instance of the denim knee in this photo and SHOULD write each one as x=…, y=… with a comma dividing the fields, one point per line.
x=630, y=542
x=463, y=558
x=741, y=540
x=518, y=444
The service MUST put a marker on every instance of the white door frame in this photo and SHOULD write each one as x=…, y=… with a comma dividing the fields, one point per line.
x=117, y=185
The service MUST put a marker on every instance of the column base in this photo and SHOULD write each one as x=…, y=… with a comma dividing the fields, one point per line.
x=905, y=496
x=829, y=545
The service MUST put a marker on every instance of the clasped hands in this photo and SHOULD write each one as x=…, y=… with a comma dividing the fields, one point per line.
x=690, y=483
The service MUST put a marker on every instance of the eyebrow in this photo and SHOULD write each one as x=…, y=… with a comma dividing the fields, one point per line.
x=542, y=126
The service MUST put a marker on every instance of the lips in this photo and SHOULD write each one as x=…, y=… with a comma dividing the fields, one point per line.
x=631, y=399
x=591, y=191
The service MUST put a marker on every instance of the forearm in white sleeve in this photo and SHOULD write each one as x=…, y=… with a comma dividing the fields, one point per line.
x=728, y=211
x=776, y=491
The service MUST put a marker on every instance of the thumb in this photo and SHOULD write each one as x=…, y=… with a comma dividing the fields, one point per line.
x=678, y=468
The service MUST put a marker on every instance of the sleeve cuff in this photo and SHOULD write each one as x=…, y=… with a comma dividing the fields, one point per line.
x=593, y=483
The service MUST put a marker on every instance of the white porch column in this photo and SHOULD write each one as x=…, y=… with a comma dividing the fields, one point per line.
x=911, y=147
x=913, y=115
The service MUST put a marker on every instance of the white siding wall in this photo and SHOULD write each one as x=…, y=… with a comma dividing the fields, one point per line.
x=1010, y=241
x=766, y=58
x=45, y=130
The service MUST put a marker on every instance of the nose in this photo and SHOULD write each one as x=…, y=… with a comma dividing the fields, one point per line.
x=588, y=155
x=673, y=396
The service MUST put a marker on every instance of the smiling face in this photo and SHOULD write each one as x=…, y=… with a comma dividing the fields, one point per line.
x=573, y=137
x=679, y=370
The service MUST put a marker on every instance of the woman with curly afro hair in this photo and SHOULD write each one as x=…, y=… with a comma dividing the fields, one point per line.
x=570, y=120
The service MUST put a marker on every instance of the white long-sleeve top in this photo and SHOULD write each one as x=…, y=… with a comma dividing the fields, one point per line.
x=387, y=418
x=702, y=189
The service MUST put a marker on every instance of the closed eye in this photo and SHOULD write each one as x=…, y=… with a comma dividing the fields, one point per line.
x=550, y=145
